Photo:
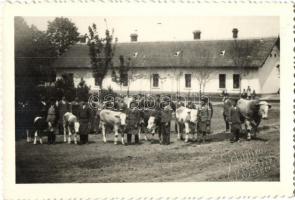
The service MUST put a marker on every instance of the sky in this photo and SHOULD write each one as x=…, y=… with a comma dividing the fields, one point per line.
x=173, y=28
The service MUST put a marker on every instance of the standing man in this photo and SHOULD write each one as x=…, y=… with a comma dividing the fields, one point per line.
x=248, y=92
x=235, y=122
x=133, y=119
x=51, y=120
x=63, y=107
x=244, y=94
x=210, y=111
x=165, y=115
x=226, y=106
x=75, y=106
x=203, y=119
x=84, y=117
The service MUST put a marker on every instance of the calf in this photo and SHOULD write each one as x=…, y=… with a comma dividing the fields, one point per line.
x=39, y=126
x=188, y=118
x=115, y=119
x=71, y=127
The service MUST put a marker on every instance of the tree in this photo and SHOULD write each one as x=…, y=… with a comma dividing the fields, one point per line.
x=83, y=91
x=33, y=56
x=203, y=73
x=62, y=33
x=101, y=52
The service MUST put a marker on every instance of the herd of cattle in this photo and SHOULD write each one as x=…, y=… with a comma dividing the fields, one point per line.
x=252, y=111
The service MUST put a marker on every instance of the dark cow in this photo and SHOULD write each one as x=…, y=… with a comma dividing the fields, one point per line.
x=252, y=112
x=39, y=127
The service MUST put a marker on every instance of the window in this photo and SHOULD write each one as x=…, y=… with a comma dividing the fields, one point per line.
x=222, y=79
x=125, y=79
x=155, y=80
x=188, y=80
x=236, y=81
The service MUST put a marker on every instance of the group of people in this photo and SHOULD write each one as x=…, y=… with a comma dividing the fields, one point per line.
x=52, y=112
x=164, y=112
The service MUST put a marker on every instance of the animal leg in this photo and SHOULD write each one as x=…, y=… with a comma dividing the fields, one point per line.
x=35, y=137
x=187, y=131
x=122, y=138
x=103, y=130
x=69, y=136
x=75, y=138
x=248, y=128
x=28, y=136
x=116, y=135
x=178, y=131
x=40, y=139
x=65, y=132
x=139, y=133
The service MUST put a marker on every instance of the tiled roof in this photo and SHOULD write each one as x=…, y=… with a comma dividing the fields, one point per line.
x=200, y=53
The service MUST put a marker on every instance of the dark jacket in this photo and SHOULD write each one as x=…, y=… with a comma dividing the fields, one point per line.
x=235, y=117
x=166, y=116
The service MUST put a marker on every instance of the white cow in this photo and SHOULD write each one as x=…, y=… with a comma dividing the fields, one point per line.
x=186, y=116
x=71, y=126
x=115, y=119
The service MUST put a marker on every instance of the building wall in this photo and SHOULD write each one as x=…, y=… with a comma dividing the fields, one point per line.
x=172, y=80
x=269, y=74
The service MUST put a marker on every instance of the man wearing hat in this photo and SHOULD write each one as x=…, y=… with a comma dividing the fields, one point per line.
x=165, y=115
x=226, y=106
x=203, y=119
x=84, y=117
x=210, y=109
x=235, y=121
x=133, y=119
x=51, y=120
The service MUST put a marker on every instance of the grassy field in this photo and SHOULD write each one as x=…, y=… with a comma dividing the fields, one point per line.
x=215, y=160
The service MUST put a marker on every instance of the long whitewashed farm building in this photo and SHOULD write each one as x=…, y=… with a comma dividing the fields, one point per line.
x=180, y=66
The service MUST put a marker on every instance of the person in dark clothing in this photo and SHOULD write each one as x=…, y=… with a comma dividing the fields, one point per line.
x=133, y=119
x=84, y=117
x=235, y=121
x=51, y=120
x=226, y=106
x=253, y=95
x=43, y=108
x=244, y=94
x=165, y=117
x=203, y=119
x=75, y=106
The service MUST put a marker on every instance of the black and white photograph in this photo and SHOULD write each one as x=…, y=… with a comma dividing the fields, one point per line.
x=124, y=99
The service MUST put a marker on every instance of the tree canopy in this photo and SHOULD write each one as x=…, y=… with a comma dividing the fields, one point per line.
x=35, y=50
x=101, y=52
x=62, y=33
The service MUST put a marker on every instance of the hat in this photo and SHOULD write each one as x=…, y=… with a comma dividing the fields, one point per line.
x=205, y=99
x=132, y=104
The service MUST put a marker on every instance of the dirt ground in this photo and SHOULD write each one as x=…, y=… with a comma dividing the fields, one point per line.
x=215, y=160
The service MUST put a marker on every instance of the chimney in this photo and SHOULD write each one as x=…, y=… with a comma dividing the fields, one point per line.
x=197, y=35
x=235, y=33
x=133, y=37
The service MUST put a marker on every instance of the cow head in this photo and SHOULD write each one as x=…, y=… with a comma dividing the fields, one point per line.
x=76, y=127
x=122, y=117
x=193, y=115
x=263, y=109
x=151, y=124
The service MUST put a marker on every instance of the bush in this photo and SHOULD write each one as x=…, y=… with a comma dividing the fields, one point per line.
x=82, y=91
x=107, y=93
